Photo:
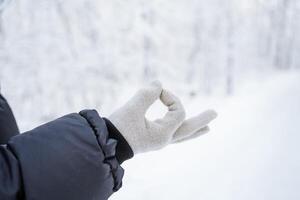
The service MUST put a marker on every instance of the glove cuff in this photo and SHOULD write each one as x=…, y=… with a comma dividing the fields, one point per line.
x=123, y=149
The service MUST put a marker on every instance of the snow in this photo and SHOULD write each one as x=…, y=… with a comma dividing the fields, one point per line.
x=252, y=151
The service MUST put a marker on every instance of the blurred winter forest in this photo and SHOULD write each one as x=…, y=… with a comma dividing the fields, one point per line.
x=60, y=56
x=206, y=44
x=59, y=49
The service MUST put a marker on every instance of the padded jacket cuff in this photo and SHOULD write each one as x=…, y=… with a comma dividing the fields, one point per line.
x=123, y=149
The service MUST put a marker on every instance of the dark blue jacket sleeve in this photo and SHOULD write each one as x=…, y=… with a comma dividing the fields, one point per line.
x=8, y=124
x=72, y=157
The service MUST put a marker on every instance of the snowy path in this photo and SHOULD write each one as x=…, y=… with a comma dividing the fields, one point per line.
x=251, y=153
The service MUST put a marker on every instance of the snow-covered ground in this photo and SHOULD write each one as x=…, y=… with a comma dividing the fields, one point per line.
x=252, y=151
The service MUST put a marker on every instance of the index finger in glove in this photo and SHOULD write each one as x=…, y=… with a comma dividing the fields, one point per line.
x=194, y=124
x=176, y=113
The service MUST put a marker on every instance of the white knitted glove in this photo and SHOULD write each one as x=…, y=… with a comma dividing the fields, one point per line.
x=143, y=135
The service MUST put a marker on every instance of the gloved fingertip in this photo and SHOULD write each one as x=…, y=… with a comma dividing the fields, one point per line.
x=168, y=98
x=153, y=89
x=210, y=114
x=202, y=119
x=147, y=95
x=156, y=83
x=204, y=130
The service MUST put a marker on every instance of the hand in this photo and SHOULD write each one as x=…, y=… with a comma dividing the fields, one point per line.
x=144, y=135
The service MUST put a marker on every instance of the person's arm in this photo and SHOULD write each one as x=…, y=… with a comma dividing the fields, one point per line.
x=8, y=125
x=78, y=156
x=73, y=157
